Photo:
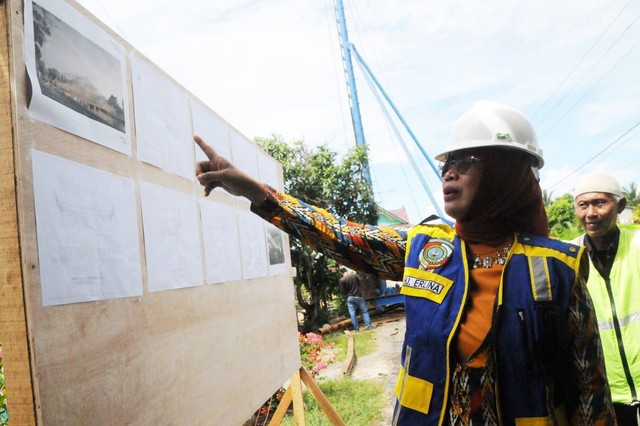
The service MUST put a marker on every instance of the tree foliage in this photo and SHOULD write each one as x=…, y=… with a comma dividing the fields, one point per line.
x=563, y=223
x=317, y=176
x=631, y=194
x=547, y=198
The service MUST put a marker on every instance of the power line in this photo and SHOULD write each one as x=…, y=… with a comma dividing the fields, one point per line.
x=115, y=25
x=581, y=60
x=330, y=12
x=595, y=156
x=592, y=88
x=589, y=70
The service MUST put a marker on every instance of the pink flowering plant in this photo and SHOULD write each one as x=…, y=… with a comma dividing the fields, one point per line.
x=311, y=353
x=313, y=359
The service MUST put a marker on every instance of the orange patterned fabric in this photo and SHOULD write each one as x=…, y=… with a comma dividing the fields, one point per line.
x=381, y=251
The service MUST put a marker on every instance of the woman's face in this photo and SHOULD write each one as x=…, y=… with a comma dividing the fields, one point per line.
x=460, y=182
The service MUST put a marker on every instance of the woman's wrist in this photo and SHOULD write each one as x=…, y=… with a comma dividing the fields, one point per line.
x=258, y=194
x=267, y=206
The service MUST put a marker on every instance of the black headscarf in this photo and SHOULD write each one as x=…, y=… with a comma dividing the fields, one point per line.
x=509, y=199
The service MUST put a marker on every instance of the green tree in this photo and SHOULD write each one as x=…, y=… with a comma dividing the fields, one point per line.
x=563, y=223
x=631, y=194
x=318, y=177
x=547, y=197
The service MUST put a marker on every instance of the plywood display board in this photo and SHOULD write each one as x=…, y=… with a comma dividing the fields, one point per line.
x=126, y=296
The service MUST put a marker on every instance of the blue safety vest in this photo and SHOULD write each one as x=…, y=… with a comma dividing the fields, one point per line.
x=533, y=363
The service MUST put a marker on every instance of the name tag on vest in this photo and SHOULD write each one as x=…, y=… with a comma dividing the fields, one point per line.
x=425, y=284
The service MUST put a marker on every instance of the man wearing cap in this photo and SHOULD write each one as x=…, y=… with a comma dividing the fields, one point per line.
x=614, y=285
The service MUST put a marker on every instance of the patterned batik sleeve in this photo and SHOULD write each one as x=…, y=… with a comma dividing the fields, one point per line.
x=373, y=249
x=593, y=404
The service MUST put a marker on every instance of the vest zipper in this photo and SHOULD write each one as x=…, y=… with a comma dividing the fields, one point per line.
x=525, y=339
x=623, y=355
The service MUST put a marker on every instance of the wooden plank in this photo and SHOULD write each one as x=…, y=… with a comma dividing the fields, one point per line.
x=283, y=406
x=69, y=363
x=13, y=329
x=321, y=399
x=298, y=405
x=351, y=359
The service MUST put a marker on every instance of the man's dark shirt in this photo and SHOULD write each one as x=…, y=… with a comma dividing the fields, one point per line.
x=350, y=285
x=603, y=259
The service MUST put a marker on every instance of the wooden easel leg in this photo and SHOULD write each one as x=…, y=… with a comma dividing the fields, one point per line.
x=298, y=404
x=282, y=408
x=294, y=393
x=321, y=399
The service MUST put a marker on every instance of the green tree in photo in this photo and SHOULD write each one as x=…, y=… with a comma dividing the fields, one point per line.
x=319, y=177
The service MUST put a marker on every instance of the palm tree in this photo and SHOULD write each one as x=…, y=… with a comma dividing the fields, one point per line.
x=546, y=198
x=631, y=194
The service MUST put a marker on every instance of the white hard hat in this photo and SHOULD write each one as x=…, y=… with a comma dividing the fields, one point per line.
x=492, y=124
x=598, y=182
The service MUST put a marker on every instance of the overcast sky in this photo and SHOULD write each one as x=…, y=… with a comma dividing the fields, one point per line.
x=274, y=66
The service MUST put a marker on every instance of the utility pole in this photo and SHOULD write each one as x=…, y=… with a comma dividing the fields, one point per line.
x=351, y=83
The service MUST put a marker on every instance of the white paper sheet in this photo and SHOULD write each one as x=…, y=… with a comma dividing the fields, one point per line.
x=253, y=245
x=87, y=229
x=78, y=75
x=221, y=241
x=163, y=120
x=210, y=127
x=268, y=170
x=244, y=154
x=171, y=237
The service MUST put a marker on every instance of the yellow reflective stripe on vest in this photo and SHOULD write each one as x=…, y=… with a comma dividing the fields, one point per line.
x=535, y=251
x=540, y=281
x=625, y=321
x=413, y=392
x=537, y=257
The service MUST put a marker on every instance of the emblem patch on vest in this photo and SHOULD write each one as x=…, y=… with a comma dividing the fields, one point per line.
x=435, y=253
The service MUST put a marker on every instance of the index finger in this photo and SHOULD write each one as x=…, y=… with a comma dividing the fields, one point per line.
x=208, y=151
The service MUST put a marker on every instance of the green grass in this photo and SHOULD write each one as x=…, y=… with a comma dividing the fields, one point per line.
x=364, y=343
x=358, y=402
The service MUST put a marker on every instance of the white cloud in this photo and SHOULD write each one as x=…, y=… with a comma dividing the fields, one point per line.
x=270, y=66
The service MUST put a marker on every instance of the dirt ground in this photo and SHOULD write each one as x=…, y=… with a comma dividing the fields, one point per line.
x=384, y=363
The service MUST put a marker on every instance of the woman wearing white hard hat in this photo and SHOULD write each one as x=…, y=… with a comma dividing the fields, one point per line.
x=500, y=329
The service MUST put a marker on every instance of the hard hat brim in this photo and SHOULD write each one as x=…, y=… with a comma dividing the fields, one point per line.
x=533, y=151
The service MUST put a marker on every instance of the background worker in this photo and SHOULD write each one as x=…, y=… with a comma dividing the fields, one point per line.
x=614, y=285
x=350, y=286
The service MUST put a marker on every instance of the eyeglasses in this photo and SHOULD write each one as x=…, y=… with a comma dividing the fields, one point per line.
x=462, y=166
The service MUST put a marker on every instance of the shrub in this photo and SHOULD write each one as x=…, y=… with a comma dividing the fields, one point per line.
x=311, y=346
x=313, y=361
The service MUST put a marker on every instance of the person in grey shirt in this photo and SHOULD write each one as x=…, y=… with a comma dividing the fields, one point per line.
x=350, y=286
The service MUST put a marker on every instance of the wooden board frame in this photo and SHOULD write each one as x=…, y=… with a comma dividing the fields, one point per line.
x=210, y=354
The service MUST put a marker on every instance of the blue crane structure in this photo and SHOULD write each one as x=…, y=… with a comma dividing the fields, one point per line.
x=348, y=53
